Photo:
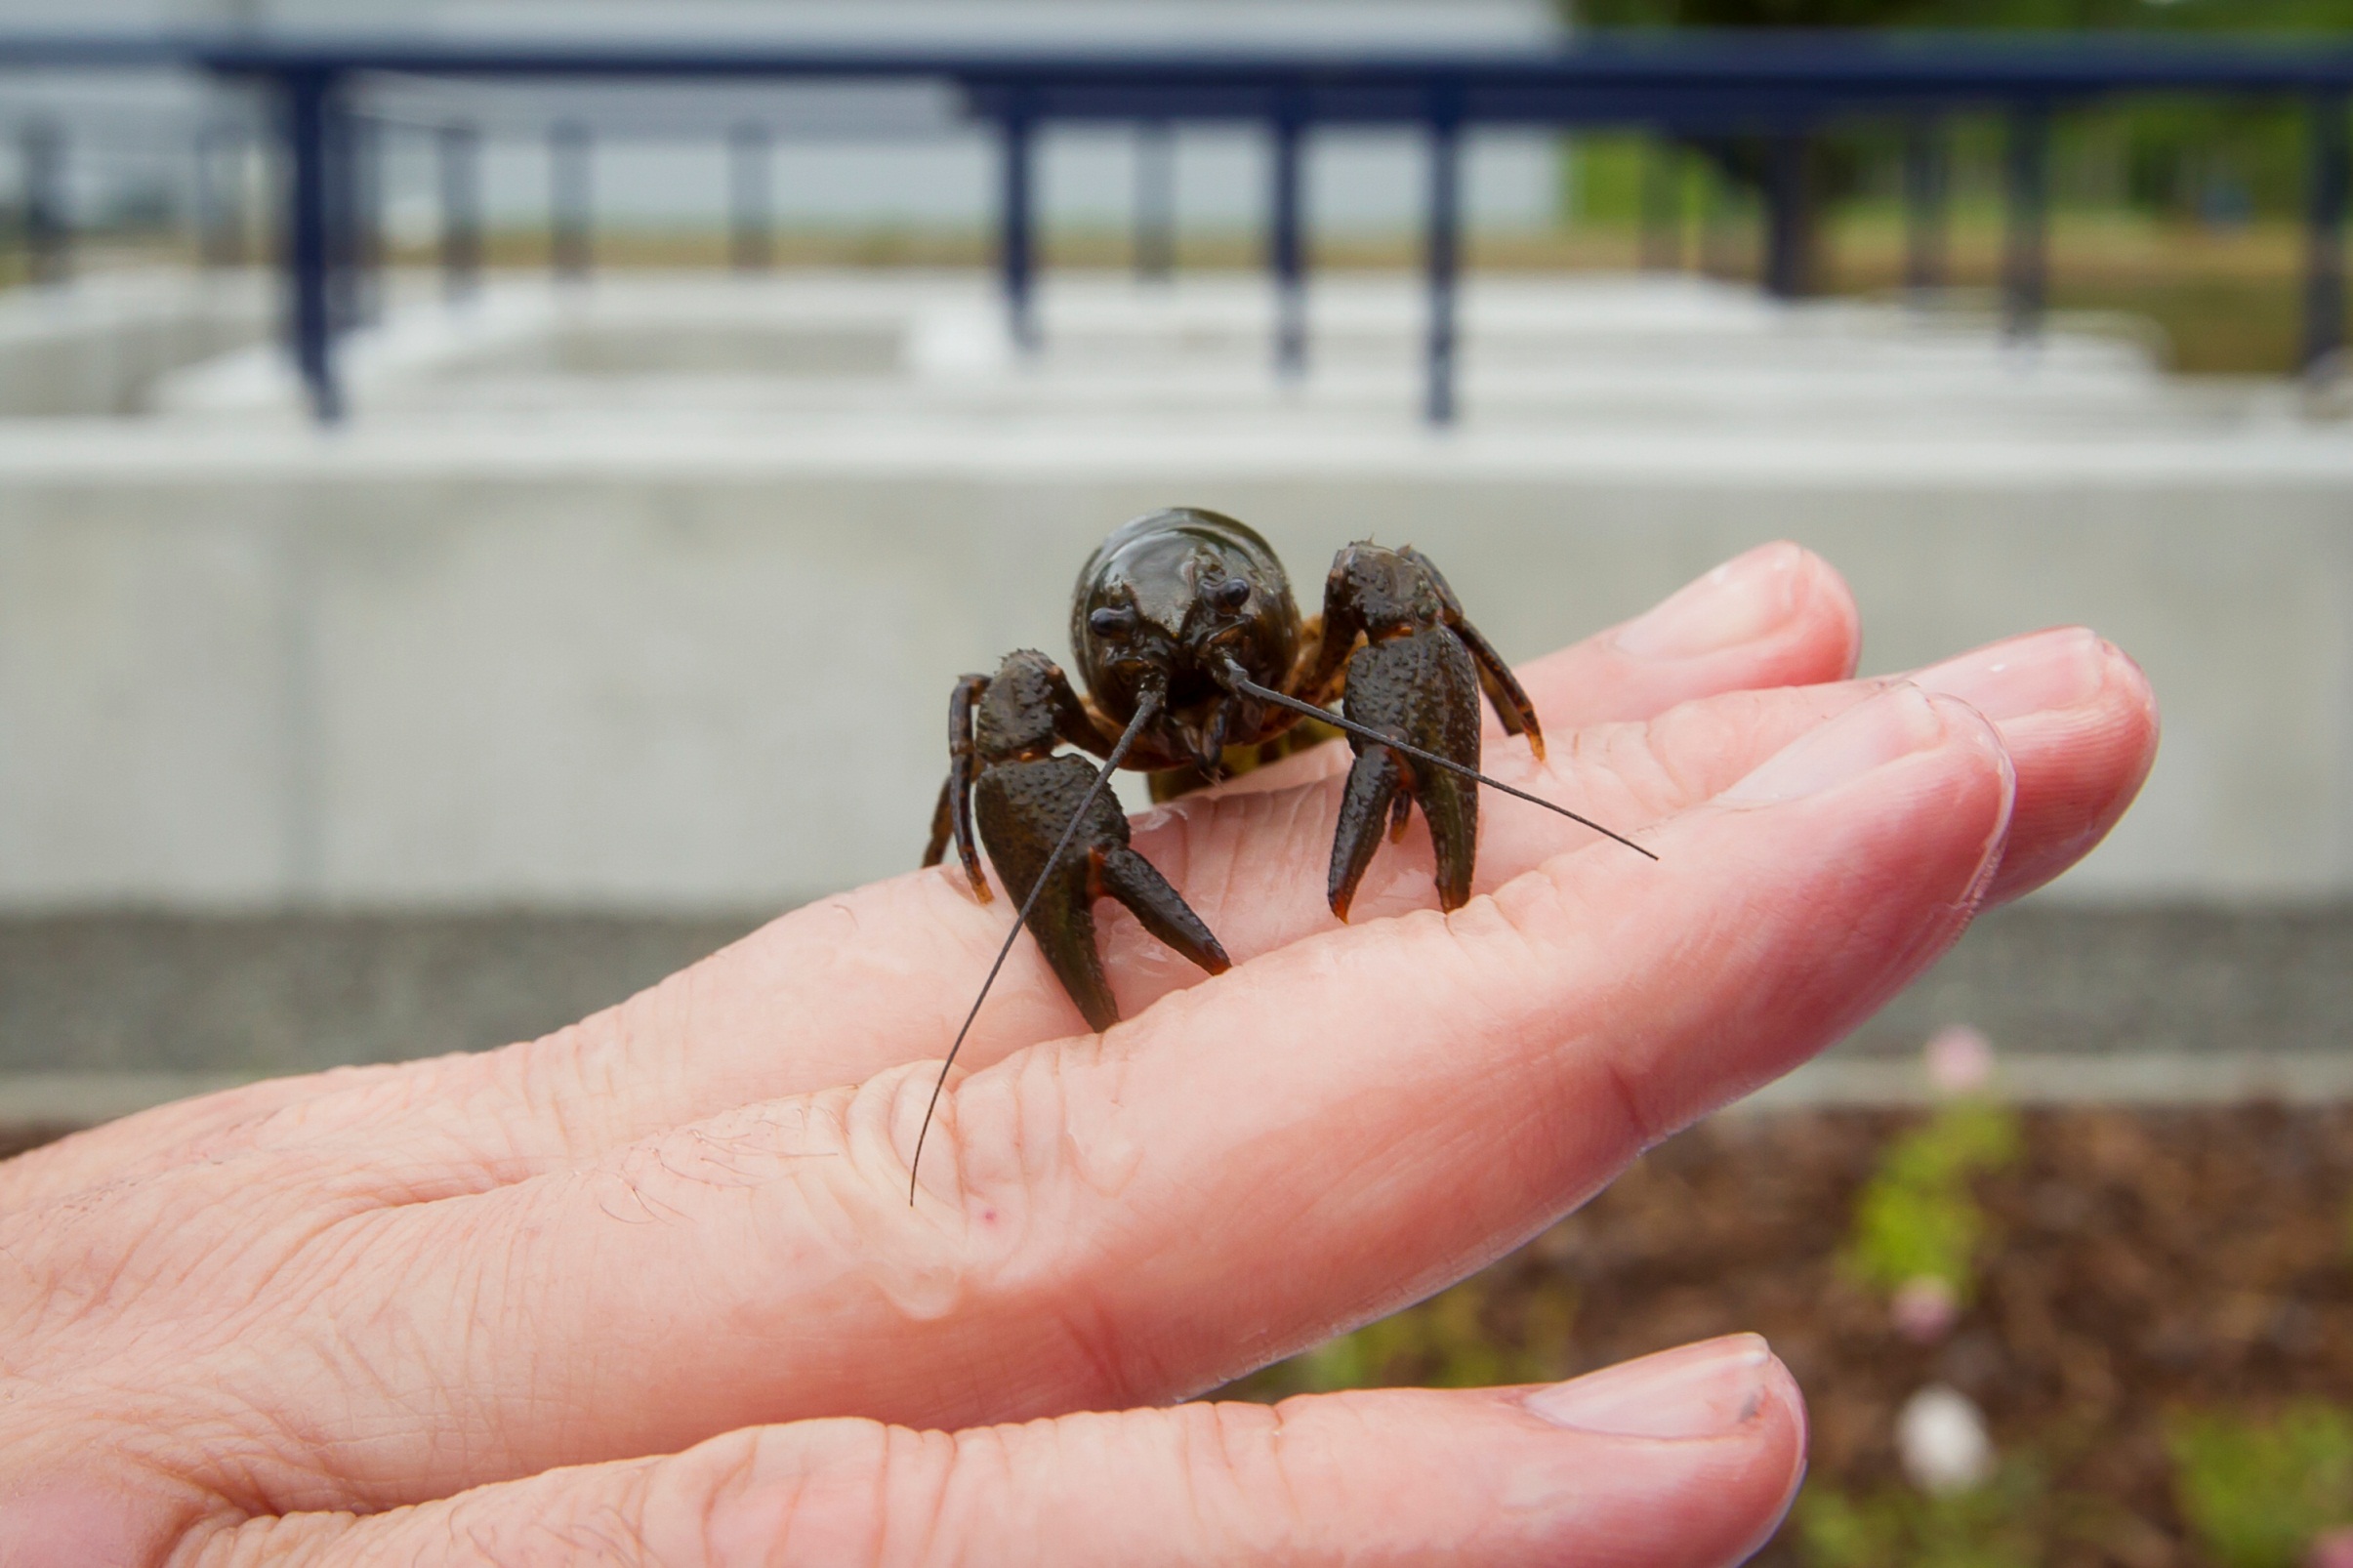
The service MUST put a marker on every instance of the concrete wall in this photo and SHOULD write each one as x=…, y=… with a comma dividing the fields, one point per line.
x=97, y=347
x=607, y=667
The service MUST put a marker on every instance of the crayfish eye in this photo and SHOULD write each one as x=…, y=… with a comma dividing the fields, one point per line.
x=1111, y=621
x=1231, y=593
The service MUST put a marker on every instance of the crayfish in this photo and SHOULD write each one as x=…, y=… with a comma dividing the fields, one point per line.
x=1197, y=665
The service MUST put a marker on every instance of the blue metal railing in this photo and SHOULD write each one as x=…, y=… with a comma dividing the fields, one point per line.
x=1782, y=87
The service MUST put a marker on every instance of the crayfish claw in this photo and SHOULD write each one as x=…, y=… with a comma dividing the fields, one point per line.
x=1376, y=783
x=1417, y=676
x=1137, y=883
x=1023, y=807
x=1063, y=925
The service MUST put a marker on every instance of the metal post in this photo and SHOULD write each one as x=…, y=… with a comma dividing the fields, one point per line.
x=1016, y=259
x=457, y=153
x=751, y=199
x=1923, y=206
x=1716, y=257
x=1155, y=201
x=2024, y=263
x=48, y=237
x=309, y=110
x=570, y=192
x=2325, y=253
x=1789, y=220
x=1286, y=255
x=1444, y=260
x=1662, y=242
x=339, y=142
x=363, y=216
x=220, y=195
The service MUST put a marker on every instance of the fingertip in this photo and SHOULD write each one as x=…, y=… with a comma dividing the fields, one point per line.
x=1982, y=741
x=2080, y=767
x=1777, y=615
x=1833, y=618
x=1892, y=723
x=1741, y=602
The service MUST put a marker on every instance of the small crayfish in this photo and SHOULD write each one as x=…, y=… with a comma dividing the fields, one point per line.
x=1197, y=665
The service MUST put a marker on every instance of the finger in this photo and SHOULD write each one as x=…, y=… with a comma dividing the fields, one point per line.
x=1349, y=1123
x=2081, y=724
x=1685, y=1457
x=1777, y=615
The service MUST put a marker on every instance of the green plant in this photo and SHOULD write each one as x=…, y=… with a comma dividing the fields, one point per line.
x=2257, y=1491
x=1449, y=1342
x=2012, y=1521
x=1915, y=1218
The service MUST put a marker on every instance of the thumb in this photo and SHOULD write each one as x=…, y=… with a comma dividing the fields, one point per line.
x=1688, y=1456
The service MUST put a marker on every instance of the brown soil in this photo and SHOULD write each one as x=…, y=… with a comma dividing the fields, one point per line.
x=2137, y=1262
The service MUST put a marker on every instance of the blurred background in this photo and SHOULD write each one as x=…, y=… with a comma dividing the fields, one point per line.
x=474, y=540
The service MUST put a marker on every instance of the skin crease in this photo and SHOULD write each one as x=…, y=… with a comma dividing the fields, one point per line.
x=668, y=1229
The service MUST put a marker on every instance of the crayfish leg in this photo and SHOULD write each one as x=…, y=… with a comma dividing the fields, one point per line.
x=1416, y=680
x=943, y=823
x=951, y=817
x=1503, y=688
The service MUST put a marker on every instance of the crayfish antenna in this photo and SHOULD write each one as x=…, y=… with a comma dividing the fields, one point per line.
x=1145, y=710
x=1243, y=683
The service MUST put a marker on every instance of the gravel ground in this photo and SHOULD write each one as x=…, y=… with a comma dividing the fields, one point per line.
x=271, y=994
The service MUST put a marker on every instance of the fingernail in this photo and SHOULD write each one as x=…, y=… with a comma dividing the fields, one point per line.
x=1743, y=599
x=1896, y=723
x=1700, y=1391
x=2026, y=674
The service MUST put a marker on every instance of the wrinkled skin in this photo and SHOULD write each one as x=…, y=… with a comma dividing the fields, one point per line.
x=1168, y=612
x=649, y=1291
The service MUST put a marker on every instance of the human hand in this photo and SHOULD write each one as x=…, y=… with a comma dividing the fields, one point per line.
x=373, y=1315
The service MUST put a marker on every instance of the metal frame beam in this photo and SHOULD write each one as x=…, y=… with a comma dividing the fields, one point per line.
x=571, y=200
x=1155, y=240
x=458, y=171
x=1444, y=261
x=751, y=197
x=1690, y=84
x=1925, y=178
x=2325, y=253
x=1286, y=249
x=311, y=106
x=1788, y=216
x=1017, y=240
x=48, y=229
x=2026, y=244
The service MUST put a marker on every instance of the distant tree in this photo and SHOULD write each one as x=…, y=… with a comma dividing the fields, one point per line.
x=2178, y=154
x=2223, y=16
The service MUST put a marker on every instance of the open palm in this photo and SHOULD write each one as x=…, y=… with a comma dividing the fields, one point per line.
x=650, y=1290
